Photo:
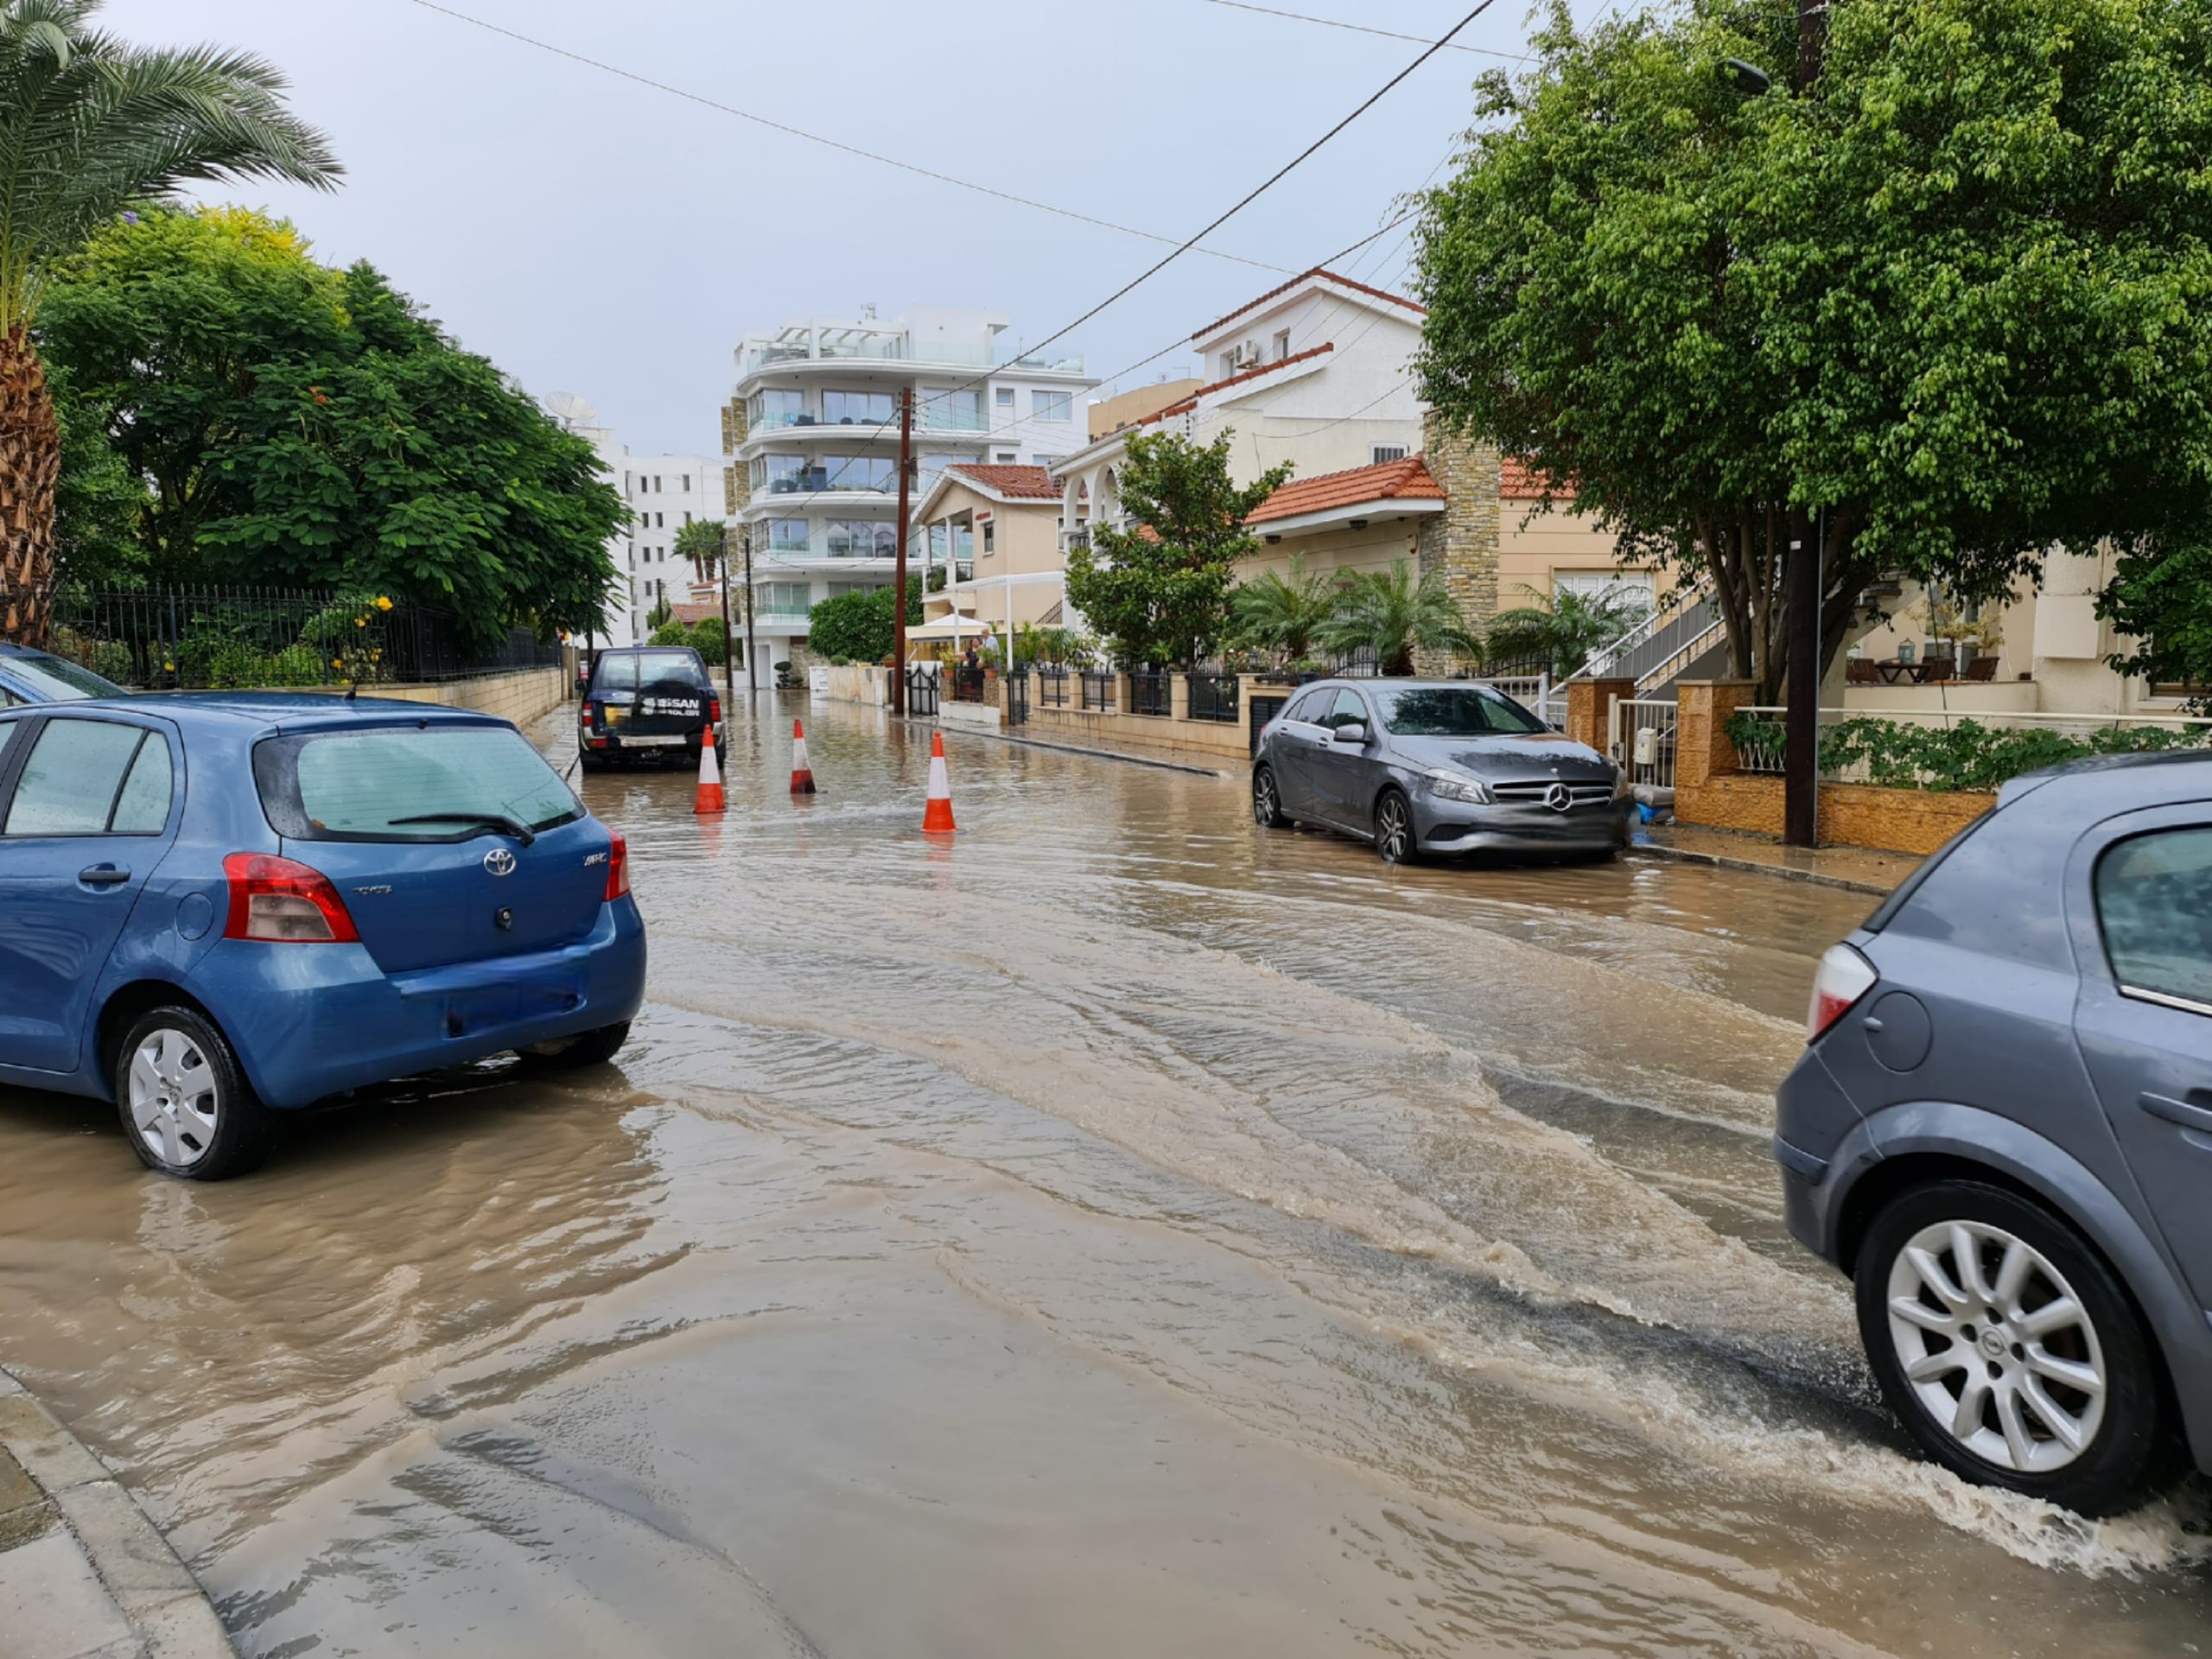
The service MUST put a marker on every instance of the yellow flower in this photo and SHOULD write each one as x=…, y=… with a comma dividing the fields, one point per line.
x=360, y=621
x=334, y=663
x=383, y=604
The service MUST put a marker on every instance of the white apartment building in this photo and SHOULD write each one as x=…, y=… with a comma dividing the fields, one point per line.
x=663, y=493
x=813, y=443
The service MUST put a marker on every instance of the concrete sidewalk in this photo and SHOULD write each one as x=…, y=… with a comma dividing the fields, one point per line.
x=1855, y=869
x=83, y=1572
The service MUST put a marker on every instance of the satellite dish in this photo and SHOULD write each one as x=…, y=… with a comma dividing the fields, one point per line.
x=570, y=409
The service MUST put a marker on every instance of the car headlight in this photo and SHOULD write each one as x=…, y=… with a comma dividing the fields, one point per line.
x=1458, y=787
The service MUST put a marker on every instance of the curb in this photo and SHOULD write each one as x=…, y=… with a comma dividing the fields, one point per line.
x=1752, y=866
x=1074, y=748
x=168, y=1613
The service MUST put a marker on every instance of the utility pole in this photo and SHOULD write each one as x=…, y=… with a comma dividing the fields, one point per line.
x=899, y=579
x=1804, y=580
x=729, y=645
x=752, y=667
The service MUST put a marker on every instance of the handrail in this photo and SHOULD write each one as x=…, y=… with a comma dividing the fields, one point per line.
x=1604, y=663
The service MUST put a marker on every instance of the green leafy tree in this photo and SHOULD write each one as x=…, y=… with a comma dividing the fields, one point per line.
x=1948, y=292
x=1562, y=629
x=857, y=628
x=2161, y=596
x=88, y=126
x=1158, y=589
x=1394, y=612
x=300, y=426
x=701, y=542
x=1284, y=612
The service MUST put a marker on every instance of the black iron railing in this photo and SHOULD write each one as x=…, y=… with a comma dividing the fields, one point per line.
x=1152, y=691
x=1098, y=688
x=1053, y=687
x=921, y=693
x=1213, y=696
x=202, y=639
x=967, y=684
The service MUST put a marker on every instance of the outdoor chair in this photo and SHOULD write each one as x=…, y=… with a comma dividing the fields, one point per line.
x=1862, y=670
x=1981, y=670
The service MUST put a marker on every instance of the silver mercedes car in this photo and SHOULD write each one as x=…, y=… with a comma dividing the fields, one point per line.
x=1434, y=767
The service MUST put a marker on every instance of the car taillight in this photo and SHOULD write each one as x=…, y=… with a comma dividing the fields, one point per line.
x=281, y=901
x=587, y=715
x=617, y=869
x=1844, y=978
x=713, y=711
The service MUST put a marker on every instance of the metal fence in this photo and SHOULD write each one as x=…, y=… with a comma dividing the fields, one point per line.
x=1098, y=688
x=967, y=684
x=1213, y=696
x=1053, y=687
x=1535, y=693
x=921, y=693
x=1641, y=739
x=200, y=639
x=1152, y=691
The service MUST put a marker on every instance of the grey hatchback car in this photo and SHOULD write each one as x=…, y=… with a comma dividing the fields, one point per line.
x=2001, y=1127
x=1435, y=766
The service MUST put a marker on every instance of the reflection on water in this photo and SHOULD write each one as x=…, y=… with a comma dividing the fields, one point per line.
x=1113, y=1229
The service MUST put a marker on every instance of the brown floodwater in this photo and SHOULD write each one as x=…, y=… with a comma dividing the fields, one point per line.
x=1114, y=1230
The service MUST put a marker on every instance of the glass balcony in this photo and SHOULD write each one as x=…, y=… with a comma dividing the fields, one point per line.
x=1051, y=362
x=853, y=345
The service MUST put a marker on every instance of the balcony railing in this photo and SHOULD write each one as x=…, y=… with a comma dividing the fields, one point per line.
x=817, y=481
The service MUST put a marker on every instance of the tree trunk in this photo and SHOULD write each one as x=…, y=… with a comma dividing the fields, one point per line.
x=31, y=461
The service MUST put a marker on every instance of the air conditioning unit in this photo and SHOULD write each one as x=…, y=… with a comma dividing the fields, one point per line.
x=1246, y=356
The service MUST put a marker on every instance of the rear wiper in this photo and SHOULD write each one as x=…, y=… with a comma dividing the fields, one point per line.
x=499, y=821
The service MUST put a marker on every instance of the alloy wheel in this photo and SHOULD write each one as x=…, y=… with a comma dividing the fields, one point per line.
x=175, y=1102
x=1267, y=808
x=1995, y=1347
x=1394, y=832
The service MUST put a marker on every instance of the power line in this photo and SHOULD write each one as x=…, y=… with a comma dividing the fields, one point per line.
x=1362, y=28
x=827, y=143
x=1267, y=184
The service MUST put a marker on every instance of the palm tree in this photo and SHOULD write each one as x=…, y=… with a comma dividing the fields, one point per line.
x=701, y=542
x=1285, y=613
x=88, y=126
x=1563, y=629
x=1393, y=613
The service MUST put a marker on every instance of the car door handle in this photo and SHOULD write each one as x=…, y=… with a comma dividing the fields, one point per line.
x=103, y=875
x=2178, y=1111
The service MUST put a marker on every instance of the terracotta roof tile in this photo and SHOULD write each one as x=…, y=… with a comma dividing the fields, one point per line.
x=1022, y=483
x=1307, y=276
x=1191, y=402
x=1387, y=480
x=689, y=615
x=1518, y=481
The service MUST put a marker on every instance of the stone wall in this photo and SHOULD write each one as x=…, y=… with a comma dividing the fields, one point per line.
x=1710, y=791
x=1462, y=540
x=527, y=694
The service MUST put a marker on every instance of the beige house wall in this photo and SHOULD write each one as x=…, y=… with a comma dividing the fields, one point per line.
x=1533, y=544
x=1108, y=413
x=1372, y=549
x=1025, y=541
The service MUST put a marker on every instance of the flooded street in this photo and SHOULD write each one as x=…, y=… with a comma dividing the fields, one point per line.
x=1114, y=1230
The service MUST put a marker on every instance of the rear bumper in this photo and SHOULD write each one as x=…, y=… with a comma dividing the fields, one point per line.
x=311, y=1020
x=1448, y=828
x=616, y=743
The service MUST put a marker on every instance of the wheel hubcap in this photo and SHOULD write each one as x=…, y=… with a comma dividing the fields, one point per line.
x=174, y=1102
x=1394, y=831
x=1263, y=800
x=1996, y=1346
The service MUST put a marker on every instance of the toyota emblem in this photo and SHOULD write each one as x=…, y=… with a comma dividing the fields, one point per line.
x=1559, y=798
x=500, y=862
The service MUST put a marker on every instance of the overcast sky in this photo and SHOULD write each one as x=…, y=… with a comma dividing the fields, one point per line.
x=593, y=235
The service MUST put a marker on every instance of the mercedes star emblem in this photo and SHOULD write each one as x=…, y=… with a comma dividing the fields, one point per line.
x=1558, y=798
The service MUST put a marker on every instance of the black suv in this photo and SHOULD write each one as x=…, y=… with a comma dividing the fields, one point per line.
x=647, y=701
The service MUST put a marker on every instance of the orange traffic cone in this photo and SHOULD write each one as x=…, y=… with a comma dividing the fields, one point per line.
x=936, y=817
x=710, y=778
x=802, y=773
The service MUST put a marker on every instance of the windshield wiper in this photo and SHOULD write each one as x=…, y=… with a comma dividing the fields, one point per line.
x=499, y=821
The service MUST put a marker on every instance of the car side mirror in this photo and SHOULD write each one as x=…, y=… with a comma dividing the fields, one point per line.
x=1352, y=733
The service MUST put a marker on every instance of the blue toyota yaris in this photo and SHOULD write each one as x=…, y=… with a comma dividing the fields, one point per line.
x=214, y=909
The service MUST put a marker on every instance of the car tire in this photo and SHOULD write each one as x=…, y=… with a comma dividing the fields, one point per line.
x=186, y=1108
x=592, y=1048
x=1915, y=1308
x=592, y=762
x=1396, y=842
x=1267, y=800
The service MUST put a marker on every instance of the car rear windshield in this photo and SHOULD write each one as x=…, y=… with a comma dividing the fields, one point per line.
x=632, y=669
x=1455, y=711
x=360, y=785
x=59, y=680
